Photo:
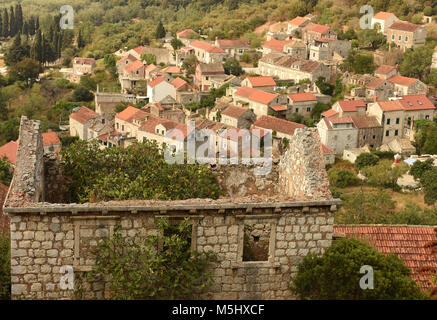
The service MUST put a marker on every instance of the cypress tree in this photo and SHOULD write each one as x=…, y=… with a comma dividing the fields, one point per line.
x=80, y=41
x=37, y=50
x=18, y=18
x=25, y=28
x=16, y=52
x=5, y=23
x=31, y=25
x=160, y=31
x=12, y=30
x=1, y=26
x=37, y=23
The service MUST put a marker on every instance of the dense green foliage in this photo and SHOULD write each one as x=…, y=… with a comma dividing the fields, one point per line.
x=154, y=267
x=366, y=159
x=336, y=275
x=425, y=139
x=5, y=172
x=342, y=178
x=5, y=267
x=416, y=63
x=136, y=172
x=232, y=66
x=383, y=174
x=358, y=63
x=429, y=183
x=420, y=167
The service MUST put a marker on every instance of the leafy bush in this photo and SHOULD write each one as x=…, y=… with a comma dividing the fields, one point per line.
x=366, y=159
x=5, y=267
x=384, y=175
x=429, y=183
x=384, y=154
x=419, y=168
x=5, y=172
x=82, y=94
x=342, y=178
x=153, y=267
x=336, y=275
x=136, y=172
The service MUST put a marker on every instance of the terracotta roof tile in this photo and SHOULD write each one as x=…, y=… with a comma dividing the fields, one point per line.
x=276, y=124
x=50, y=138
x=365, y=122
x=415, y=245
x=329, y=113
x=275, y=45
x=327, y=150
x=351, y=105
x=375, y=83
x=234, y=111
x=172, y=69
x=303, y=96
x=279, y=108
x=298, y=21
x=340, y=120
x=382, y=15
x=403, y=81
x=404, y=26
x=206, y=46
x=129, y=113
x=185, y=33
x=232, y=43
x=384, y=69
x=416, y=102
x=9, y=150
x=83, y=115
x=178, y=82
x=265, y=81
x=134, y=66
x=255, y=95
x=390, y=105
x=318, y=28
x=155, y=82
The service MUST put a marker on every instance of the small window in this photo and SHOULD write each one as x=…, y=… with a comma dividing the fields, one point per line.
x=256, y=238
x=364, y=137
x=117, y=125
x=397, y=120
x=406, y=38
x=387, y=133
x=400, y=38
x=309, y=109
x=297, y=109
x=392, y=36
x=51, y=149
x=427, y=117
x=396, y=132
x=374, y=137
x=388, y=121
x=122, y=127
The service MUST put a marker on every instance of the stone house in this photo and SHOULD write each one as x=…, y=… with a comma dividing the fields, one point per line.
x=238, y=117
x=80, y=120
x=159, y=88
x=301, y=103
x=324, y=49
x=295, y=219
x=168, y=112
x=370, y=131
x=385, y=72
x=406, y=85
x=82, y=66
x=406, y=35
x=233, y=48
x=163, y=55
x=124, y=61
x=379, y=89
x=100, y=124
x=274, y=46
x=280, y=128
x=313, y=31
x=286, y=67
x=150, y=70
x=132, y=76
x=349, y=108
x=390, y=114
x=207, y=53
x=180, y=84
x=205, y=73
x=107, y=101
x=329, y=154
x=382, y=20
x=257, y=100
x=187, y=36
x=51, y=142
x=297, y=24
x=266, y=83
x=129, y=120
x=296, y=49
x=338, y=133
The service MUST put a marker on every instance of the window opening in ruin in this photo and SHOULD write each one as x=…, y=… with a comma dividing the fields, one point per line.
x=174, y=228
x=256, y=242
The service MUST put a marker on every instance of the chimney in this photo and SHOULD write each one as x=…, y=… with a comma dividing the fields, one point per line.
x=397, y=159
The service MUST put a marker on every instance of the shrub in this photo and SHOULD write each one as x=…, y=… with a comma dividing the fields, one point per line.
x=342, y=178
x=5, y=172
x=5, y=267
x=336, y=275
x=384, y=175
x=137, y=270
x=419, y=168
x=366, y=159
x=82, y=94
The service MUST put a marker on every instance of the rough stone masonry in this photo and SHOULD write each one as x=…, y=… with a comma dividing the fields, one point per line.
x=295, y=220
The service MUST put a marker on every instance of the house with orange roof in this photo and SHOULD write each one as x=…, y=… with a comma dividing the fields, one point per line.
x=350, y=108
x=9, y=151
x=159, y=89
x=233, y=48
x=206, y=73
x=238, y=117
x=173, y=70
x=180, y=84
x=274, y=46
x=280, y=128
x=314, y=31
x=265, y=83
x=208, y=53
x=406, y=35
x=80, y=120
x=379, y=89
x=83, y=66
x=386, y=71
x=257, y=100
x=187, y=36
x=124, y=61
x=297, y=23
x=51, y=142
x=338, y=133
x=382, y=20
x=406, y=85
x=301, y=103
x=132, y=75
x=129, y=120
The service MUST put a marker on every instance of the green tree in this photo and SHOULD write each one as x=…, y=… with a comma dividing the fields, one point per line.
x=318, y=109
x=150, y=58
x=336, y=275
x=325, y=87
x=5, y=267
x=384, y=175
x=88, y=82
x=80, y=40
x=160, y=31
x=5, y=23
x=26, y=70
x=371, y=38
x=420, y=167
x=342, y=178
x=16, y=51
x=429, y=183
x=416, y=62
x=358, y=63
x=366, y=159
x=232, y=66
x=82, y=94
x=110, y=64
x=138, y=271
x=36, y=51
x=176, y=43
x=5, y=172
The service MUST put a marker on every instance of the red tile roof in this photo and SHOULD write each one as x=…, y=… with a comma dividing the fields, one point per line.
x=416, y=102
x=326, y=150
x=304, y=96
x=151, y=67
x=329, y=113
x=415, y=245
x=298, y=21
x=382, y=15
x=50, y=138
x=172, y=69
x=266, y=81
x=318, y=28
x=404, y=26
x=276, y=124
x=365, y=122
x=402, y=81
x=139, y=49
x=127, y=57
x=351, y=105
x=127, y=113
x=390, y=105
x=83, y=115
x=185, y=33
x=232, y=43
x=178, y=82
x=9, y=150
x=255, y=95
x=340, y=120
x=375, y=83
x=134, y=66
x=84, y=60
x=155, y=82
x=150, y=125
x=234, y=111
x=279, y=108
x=384, y=69
x=275, y=45
x=206, y=46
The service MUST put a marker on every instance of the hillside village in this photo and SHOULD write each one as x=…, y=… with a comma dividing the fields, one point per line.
x=301, y=81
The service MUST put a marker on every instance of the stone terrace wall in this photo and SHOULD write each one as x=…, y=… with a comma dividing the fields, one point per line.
x=45, y=239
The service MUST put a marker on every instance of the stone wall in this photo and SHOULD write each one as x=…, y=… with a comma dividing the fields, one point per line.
x=46, y=238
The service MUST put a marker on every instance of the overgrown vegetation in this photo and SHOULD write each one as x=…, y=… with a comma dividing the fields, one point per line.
x=153, y=267
x=5, y=267
x=336, y=275
x=136, y=172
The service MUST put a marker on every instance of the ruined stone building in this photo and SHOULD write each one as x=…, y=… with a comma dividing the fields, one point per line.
x=289, y=213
